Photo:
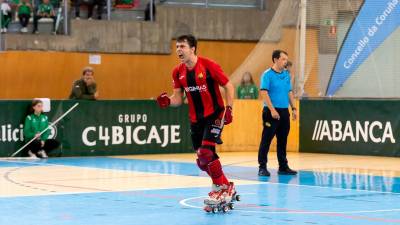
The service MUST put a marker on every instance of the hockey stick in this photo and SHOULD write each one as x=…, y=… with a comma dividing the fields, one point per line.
x=48, y=127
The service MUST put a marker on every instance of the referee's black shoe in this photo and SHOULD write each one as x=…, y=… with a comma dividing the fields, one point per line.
x=263, y=172
x=286, y=171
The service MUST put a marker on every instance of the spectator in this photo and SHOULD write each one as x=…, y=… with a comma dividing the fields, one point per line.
x=77, y=4
x=100, y=6
x=90, y=5
x=35, y=123
x=288, y=67
x=247, y=89
x=24, y=14
x=5, y=16
x=14, y=7
x=147, y=16
x=35, y=5
x=85, y=88
x=45, y=10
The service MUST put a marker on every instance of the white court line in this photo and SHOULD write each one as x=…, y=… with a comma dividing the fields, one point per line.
x=334, y=188
x=261, y=182
x=184, y=203
x=39, y=162
x=322, y=187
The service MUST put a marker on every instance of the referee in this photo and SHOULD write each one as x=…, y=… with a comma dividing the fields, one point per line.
x=276, y=92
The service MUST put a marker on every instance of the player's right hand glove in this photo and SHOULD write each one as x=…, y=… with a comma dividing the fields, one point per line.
x=228, y=115
x=163, y=100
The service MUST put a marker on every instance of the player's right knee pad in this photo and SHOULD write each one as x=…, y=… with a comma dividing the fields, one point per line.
x=204, y=157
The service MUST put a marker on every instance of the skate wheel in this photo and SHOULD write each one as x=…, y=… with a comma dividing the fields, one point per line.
x=207, y=208
x=225, y=208
x=214, y=210
x=231, y=206
x=237, y=197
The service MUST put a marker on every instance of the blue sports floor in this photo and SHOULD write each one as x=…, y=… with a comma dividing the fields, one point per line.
x=122, y=191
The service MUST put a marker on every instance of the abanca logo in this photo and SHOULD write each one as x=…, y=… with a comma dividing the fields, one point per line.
x=354, y=131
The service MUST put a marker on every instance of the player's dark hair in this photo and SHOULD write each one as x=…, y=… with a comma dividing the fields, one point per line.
x=33, y=104
x=191, y=40
x=276, y=54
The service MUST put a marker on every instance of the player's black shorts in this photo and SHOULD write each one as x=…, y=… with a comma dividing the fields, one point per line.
x=208, y=129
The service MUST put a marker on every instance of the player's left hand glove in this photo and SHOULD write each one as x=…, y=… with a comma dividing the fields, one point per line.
x=163, y=100
x=228, y=115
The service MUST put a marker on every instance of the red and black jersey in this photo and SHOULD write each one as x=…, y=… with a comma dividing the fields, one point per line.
x=201, y=85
